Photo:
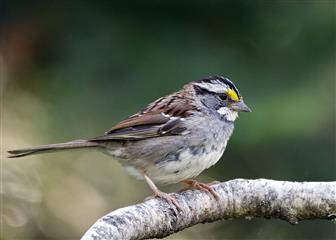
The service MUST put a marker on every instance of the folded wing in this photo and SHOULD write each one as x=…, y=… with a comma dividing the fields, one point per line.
x=163, y=117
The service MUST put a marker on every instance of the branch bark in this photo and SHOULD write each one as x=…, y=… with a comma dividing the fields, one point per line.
x=239, y=198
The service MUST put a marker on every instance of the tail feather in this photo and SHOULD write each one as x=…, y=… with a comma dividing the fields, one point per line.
x=52, y=147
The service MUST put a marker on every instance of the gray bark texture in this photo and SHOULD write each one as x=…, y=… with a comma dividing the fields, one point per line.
x=239, y=198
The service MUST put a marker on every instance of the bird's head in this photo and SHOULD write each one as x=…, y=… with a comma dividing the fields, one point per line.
x=221, y=95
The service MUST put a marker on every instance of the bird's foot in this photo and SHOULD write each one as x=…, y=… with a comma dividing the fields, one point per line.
x=170, y=199
x=201, y=186
x=213, y=183
x=157, y=193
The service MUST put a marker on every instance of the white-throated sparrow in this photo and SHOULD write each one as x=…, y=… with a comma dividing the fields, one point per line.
x=174, y=138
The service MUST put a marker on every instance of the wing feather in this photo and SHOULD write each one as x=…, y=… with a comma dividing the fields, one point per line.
x=137, y=132
x=163, y=117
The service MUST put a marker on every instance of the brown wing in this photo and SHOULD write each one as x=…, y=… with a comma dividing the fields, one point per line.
x=163, y=117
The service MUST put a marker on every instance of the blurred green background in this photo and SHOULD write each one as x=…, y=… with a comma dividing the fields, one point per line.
x=72, y=69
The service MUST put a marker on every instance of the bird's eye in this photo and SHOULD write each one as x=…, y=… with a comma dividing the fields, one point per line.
x=222, y=97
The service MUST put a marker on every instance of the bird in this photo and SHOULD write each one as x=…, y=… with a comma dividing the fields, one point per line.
x=173, y=139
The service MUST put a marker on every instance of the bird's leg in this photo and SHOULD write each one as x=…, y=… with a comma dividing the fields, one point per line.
x=158, y=193
x=201, y=186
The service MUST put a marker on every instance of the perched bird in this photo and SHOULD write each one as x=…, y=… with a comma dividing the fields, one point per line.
x=173, y=139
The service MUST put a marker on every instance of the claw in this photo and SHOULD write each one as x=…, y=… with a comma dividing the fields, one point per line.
x=213, y=183
x=157, y=193
x=168, y=198
x=171, y=200
x=201, y=186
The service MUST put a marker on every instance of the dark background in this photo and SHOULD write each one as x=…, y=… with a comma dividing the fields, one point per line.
x=72, y=69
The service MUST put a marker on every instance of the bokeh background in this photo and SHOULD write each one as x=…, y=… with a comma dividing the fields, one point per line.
x=72, y=69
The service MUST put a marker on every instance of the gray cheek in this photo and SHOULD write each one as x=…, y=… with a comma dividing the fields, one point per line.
x=211, y=102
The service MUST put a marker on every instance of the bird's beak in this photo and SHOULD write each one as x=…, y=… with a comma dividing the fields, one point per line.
x=240, y=107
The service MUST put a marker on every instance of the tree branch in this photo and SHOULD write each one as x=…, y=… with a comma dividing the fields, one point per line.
x=239, y=198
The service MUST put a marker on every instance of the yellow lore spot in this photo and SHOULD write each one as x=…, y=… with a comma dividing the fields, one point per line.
x=233, y=95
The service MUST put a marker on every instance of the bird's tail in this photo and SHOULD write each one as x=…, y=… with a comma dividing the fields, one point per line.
x=52, y=147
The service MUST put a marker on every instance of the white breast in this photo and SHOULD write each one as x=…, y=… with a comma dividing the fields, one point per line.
x=189, y=165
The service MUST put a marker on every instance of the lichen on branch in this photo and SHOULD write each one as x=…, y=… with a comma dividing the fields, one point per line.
x=239, y=198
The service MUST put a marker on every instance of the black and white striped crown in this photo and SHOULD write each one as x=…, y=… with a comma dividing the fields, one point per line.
x=216, y=84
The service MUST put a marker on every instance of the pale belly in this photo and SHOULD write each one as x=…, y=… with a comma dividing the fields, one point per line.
x=190, y=163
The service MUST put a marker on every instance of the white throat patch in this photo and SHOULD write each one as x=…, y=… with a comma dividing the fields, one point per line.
x=230, y=115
